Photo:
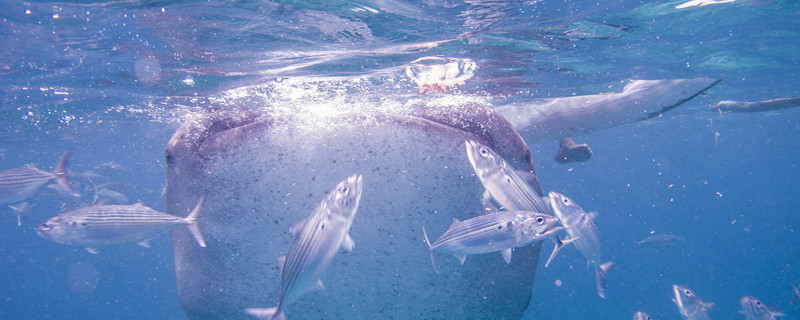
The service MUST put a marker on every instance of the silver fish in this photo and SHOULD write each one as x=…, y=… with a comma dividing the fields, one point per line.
x=689, y=305
x=19, y=184
x=21, y=210
x=506, y=187
x=492, y=232
x=108, y=225
x=639, y=315
x=660, y=238
x=503, y=182
x=322, y=234
x=580, y=227
x=753, y=309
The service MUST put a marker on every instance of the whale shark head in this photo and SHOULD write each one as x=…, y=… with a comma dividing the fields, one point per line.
x=263, y=171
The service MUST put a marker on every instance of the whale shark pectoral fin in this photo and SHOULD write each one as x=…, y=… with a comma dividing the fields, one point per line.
x=569, y=151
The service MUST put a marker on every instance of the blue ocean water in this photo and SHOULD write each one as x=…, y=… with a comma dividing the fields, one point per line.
x=114, y=80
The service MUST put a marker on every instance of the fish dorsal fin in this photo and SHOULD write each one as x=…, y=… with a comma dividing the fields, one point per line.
x=461, y=258
x=92, y=250
x=295, y=228
x=318, y=286
x=139, y=204
x=488, y=202
x=591, y=214
x=506, y=255
x=145, y=243
x=281, y=261
x=455, y=221
x=104, y=201
x=348, y=243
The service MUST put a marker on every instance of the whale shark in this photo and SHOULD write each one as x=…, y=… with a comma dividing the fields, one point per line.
x=263, y=168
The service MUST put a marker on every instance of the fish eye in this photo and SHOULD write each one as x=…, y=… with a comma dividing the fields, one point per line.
x=758, y=303
x=484, y=152
x=539, y=219
x=687, y=292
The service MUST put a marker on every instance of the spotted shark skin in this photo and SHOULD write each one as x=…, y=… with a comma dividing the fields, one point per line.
x=263, y=173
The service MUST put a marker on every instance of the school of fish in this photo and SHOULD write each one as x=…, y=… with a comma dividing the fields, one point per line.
x=516, y=215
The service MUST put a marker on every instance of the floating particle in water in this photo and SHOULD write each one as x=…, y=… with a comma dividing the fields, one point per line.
x=558, y=282
x=83, y=277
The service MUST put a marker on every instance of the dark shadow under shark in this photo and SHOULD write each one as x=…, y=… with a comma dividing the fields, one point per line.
x=262, y=172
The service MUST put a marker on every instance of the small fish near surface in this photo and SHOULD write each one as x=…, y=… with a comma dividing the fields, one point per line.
x=19, y=184
x=497, y=231
x=754, y=309
x=756, y=106
x=580, y=227
x=639, y=315
x=320, y=237
x=98, y=226
x=690, y=306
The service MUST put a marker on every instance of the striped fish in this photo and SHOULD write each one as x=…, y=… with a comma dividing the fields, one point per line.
x=753, y=309
x=639, y=315
x=506, y=187
x=502, y=181
x=492, y=232
x=580, y=227
x=689, y=305
x=19, y=184
x=108, y=225
x=321, y=235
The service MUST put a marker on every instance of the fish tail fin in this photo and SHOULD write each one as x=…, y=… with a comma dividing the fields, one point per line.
x=433, y=262
x=796, y=293
x=265, y=313
x=192, y=220
x=558, y=245
x=600, y=277
x=20, y=210
x=61, y=174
